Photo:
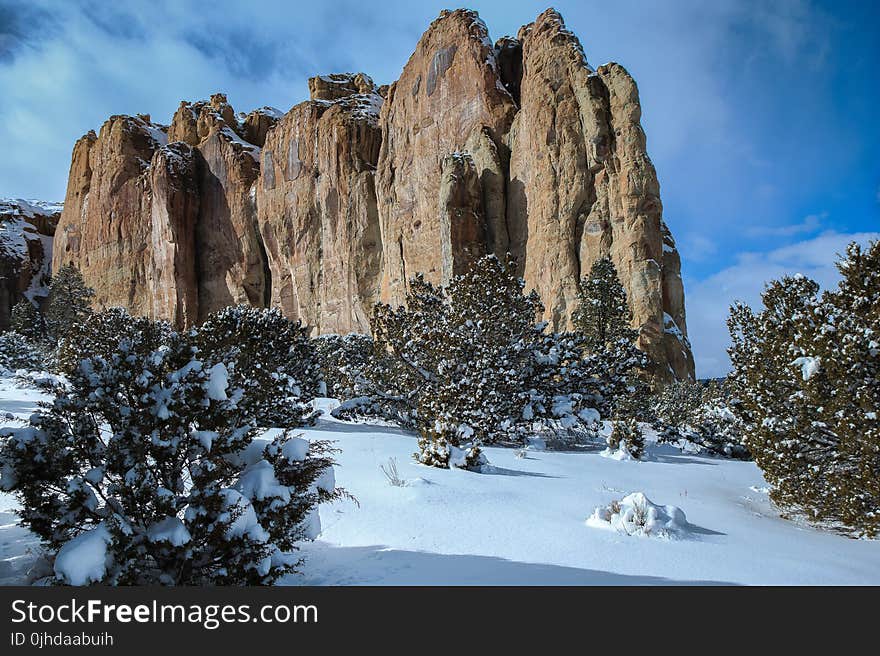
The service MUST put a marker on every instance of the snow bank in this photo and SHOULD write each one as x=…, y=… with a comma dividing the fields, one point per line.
x=83, y=559
x=620, y=454
x=635, y=514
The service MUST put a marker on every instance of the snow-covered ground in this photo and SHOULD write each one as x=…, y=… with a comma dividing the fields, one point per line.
x=525, y=520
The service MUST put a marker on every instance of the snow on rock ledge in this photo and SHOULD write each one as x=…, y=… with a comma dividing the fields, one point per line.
x=635, y=514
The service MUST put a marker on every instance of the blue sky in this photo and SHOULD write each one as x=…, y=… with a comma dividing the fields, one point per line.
x=761, y=116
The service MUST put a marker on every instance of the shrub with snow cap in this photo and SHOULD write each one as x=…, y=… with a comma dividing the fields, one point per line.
x=269, y=358
x=99, y=335
x=147, y=468
x=626, y=435
x=635, y=514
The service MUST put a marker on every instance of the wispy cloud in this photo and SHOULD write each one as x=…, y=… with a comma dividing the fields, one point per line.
x=810, y=224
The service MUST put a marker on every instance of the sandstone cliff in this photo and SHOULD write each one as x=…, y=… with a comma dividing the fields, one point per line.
x=477, y=148
x=317, y=206
x=26, y=230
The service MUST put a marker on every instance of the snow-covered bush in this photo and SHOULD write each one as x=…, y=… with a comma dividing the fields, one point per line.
x=397, y=410
x=474, y=363
x=345, y=362
x=267, y=356
x=27, y=321
x=806, y=372
x=371, y=384
x=442, y=449
x=17, y=352
x=626, y=435
x=715, y=427
x=674, y=408
x=635, y=514
x=99, y=334
x=700, y=418
x=147, y=468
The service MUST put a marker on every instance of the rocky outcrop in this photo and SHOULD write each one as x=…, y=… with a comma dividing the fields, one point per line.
x=582, y=186
x=518, y=146
x=168, y=229
x=448, y=95
x=128, y=219
x=340, y=85
x=26, y=230
x=317, y=211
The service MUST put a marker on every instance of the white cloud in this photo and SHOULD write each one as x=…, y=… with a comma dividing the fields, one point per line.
x=708, y=300
x=811, y=223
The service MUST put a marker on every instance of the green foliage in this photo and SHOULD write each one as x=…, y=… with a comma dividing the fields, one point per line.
x=16, y=352
x=268, y=356
x=704, y=417
x=345, y=362
x=155, y=441
x=674, y=408
x=806, y=370
x=617, y=365
x=472, y=358
x=27, y=321
x=99, y=335
x=626, y=433
x=68, y=303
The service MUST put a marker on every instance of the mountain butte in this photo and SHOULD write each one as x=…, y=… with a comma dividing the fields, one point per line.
x=517, y=146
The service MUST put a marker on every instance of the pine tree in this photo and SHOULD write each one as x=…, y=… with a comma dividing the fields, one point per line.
x=603, y=315
x=27, y=321
x=603, y=318
x=17, y=352
x=69, y=301
x=152, y=453
x=806, y=372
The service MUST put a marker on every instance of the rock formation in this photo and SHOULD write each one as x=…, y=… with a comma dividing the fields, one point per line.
x=26, y=230
x=167, y=229
x=317, y=210
x=516, y=146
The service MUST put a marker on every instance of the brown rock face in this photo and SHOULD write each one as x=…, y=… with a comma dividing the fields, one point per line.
x=582, y=186
x=449, y=94
x=317, y=212
x=167, y=230
x=463, y=238
x=26, y=230
x=128, y=216
x=477, y=148
x=340, y=85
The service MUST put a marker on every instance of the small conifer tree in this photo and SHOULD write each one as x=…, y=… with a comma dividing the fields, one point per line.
x=68, y=303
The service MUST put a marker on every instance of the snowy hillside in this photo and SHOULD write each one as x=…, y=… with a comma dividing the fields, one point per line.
x=533, y=520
